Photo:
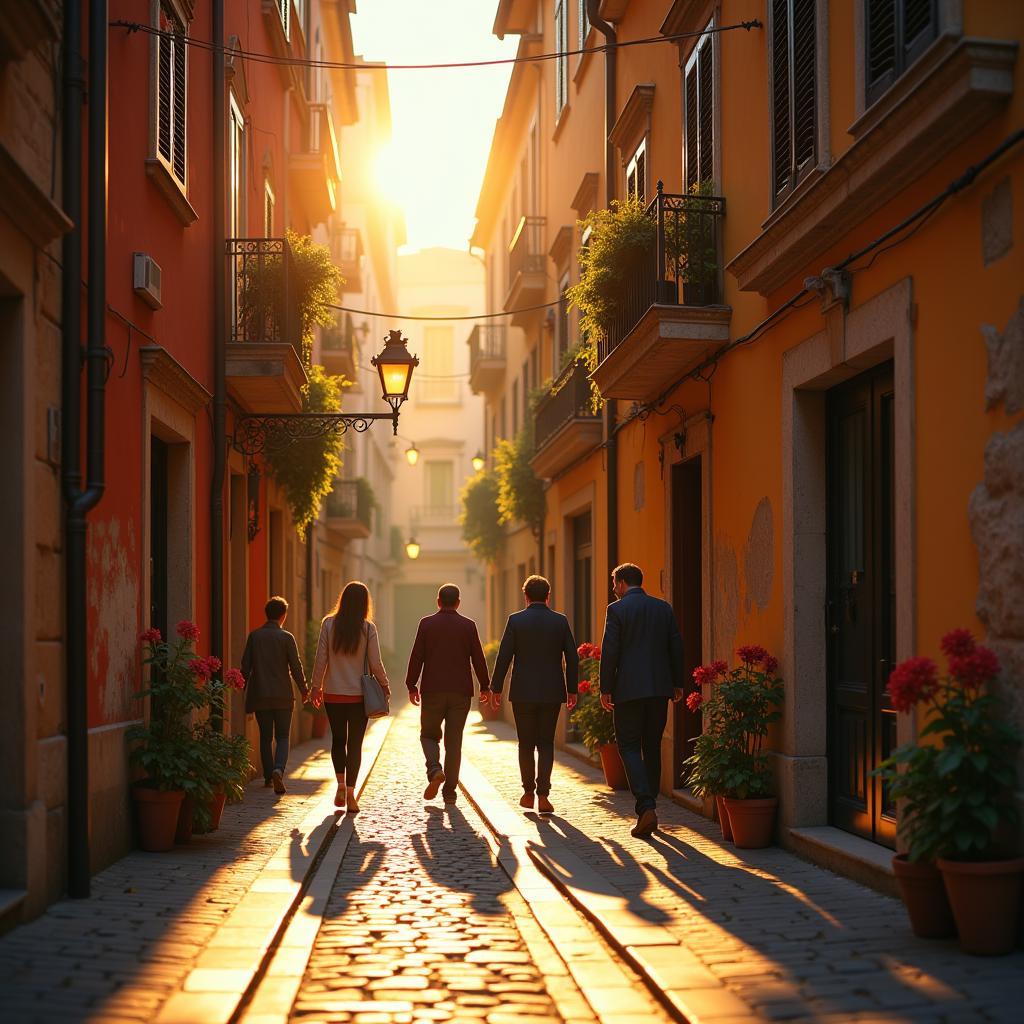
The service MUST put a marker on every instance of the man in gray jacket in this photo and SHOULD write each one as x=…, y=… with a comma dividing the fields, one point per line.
x=270, y=662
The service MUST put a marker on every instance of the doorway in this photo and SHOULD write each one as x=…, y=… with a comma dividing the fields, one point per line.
x=583, y=577
x=861, y=601
x=159, y=499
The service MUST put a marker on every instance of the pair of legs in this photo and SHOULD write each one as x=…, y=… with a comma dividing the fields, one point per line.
x=443, y=714
x=639, y=726
x=535, y=725
x=274, y=724
x=348, y=727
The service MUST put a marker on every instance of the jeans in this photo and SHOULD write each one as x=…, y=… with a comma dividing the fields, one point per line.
x=274, y=722
x=348, y=726
x=535, y=724
x=447, y=713
x=639, y=725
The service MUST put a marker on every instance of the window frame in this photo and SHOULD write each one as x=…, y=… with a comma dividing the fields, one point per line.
x=269, y=207
x=237, y=170
x=707, y=43
x=638, y=160
x=562, y=60
x=583, y=25
x=902, y=60
x=173, y=13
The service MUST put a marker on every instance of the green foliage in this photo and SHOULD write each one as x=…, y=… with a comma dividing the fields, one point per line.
x=595, y=725
x=315, y=281
x=305, y=469
x=491, y=654
x=690, y=240
x=481, y=528
x=520, y=492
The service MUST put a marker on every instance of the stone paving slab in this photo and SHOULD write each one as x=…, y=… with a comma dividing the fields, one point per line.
x=176, y=935
x=781, y=938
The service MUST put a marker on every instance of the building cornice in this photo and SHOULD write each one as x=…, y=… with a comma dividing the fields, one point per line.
x=635, y=119
x=585, y=199
x=162, y=370
x=27, y=205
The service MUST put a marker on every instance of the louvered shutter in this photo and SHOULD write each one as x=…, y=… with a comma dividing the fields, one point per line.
x=641, y=179
x=897, y=32
x=165, y=50
x=794, y=92
x=692, y=134
x=781, y=134
x=179, y=118
x=804, y=85
x=706, y=117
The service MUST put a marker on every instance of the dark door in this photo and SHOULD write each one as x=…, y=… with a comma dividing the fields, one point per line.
x=158, y=498
x=861, y=601
x=583, y=579
x=687, y=590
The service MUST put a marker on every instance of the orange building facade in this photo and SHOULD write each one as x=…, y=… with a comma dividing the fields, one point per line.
x=819, y=454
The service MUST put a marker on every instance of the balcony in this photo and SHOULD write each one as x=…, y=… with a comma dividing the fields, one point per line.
x=264, y=355
x=527, y=281
x=339, y=349
x=315, y=172
x=349, y=509
x=564, y=425
x=426, y=516
x=347, y=249
x=670, y=317
x=486, y=357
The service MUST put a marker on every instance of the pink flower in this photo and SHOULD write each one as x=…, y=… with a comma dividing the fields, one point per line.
x=187, y=630
x=912, y=681
x=234, y=678
x=957, y=643
x=584, y=686
x=694, y=701
x=151, y=636
x=976, y=668
x=770, y=665
x=752, y=654
x=201, y=667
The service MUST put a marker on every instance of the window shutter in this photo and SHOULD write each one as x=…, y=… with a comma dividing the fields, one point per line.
x=163, y=100
x=881, y=42
x=179, y=119
x=641, y=175
x=794, y=92
x=896, y=34
x=804, y=84
x=705, y=66
x=781, y=133
x=920, y=26
x=692, y=134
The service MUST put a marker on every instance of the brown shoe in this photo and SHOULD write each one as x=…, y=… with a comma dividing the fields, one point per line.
x=435, y=783
x=526, y=800
x=645, y=825
x=544, y=805
x=277, y=778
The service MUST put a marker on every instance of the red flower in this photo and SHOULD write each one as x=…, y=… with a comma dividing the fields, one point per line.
x=151, y=636
x=721, y=667
x=770, y=665
x=213, y=662
x=234, y=678
x=201, y=667
x=703, y=675
x=912, y=681
x=584, y=686
x=585, y=650
x=752, y=654
x=694, y=701
x=976, y=668
x=958, y=643
x=187, y=630
x=597, y=651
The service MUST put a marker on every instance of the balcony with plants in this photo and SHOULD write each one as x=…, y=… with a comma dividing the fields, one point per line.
x=527, y=259
x=314, y=171
x=650, y=291
x=565, y=423
x=347, y=250
x=348, y=510
x=339, y=349
x=487, y=346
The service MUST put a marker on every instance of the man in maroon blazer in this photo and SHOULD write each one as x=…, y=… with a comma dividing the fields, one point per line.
x=447, y=645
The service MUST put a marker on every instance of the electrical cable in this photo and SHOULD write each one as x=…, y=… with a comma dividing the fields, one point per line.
x=478, y=316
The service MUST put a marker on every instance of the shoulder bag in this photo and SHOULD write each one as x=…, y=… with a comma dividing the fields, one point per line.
x=375, y=700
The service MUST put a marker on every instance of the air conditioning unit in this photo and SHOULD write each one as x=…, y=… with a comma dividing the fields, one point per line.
x=146, y=278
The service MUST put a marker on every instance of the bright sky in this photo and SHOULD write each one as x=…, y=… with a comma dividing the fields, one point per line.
x=443, y=120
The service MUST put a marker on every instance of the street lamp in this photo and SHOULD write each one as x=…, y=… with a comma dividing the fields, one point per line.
x=478, y=462
x=412, y=454
x=394, y=367
x=412, y=548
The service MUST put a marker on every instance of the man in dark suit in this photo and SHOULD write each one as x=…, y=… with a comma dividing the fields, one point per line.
x=641, y=670
x=545, y=672
x=447, y=645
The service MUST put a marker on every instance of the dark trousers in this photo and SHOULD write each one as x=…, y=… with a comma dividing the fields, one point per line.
x=274, y=724
x=444, y=714
x=348, y=727
x=639, y=725
x=535, y=724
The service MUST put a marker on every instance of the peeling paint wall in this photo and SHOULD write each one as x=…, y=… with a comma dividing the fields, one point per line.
x=759, y=558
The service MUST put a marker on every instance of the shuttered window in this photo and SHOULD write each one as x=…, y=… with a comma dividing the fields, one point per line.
x=636, y=174
x=583, y=23
x=562, y=60
x=170, y=99
x=284, y=9
x=699, y=113
x=794, y=98
x=896, y=33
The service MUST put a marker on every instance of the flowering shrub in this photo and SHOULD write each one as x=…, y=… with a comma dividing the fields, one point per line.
x=593, y=722
x=728, y=757
x=956, y=789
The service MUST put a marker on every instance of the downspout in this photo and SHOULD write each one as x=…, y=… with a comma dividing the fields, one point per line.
x=219, y=350
x=610, y=175
x=79, y=502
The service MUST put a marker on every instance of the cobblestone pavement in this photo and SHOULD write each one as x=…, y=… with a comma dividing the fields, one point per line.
x=793, y=941
x=421, y=922
x=122, y=953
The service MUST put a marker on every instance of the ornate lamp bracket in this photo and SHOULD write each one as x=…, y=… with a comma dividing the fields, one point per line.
x=264, y=434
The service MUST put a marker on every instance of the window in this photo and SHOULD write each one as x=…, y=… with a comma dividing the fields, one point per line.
x=268, y=209
x=439, y=384
x=636, y=174
x=583, y=23
x=236, y=171
x=562, y=60
x=439, y=478
x=793, y=93
x=896, y=33
x=171, y=93
x=698, y=112
x=562, y=324
x=284, y=9
x=582, y=576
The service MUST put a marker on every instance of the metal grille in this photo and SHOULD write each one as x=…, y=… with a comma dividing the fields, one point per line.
x=264, y=307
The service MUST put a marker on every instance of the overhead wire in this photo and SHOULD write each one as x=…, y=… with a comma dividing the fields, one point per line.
x=477, y=316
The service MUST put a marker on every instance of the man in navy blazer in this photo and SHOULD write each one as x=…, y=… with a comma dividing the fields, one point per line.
x=641, y=671
x=545, y=675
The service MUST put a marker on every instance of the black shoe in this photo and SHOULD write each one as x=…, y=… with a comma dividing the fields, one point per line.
x=433, y=785
x=278, y=781
x=645, y=825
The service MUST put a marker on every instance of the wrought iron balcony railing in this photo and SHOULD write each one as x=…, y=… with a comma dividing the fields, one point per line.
x=350, y=500
x=264, y=299
x=526, y=250
x=340, y=337
x=486, y=341
x=571, y=401
x=347, y=250
x=681, y=268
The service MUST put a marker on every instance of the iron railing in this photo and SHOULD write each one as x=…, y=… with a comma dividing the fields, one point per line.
x=526, y=250
x=570, y=399
x=340, y=337
x=681, y=267
x=434, y=515
x=486, y=341
x=350, y=500
x=321, y=137
x=264, y=298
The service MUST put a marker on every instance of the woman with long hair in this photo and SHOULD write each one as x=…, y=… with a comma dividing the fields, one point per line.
x=348, y=641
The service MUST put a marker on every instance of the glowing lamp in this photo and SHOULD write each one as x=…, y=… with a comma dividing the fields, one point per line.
x=394, y=367
x=478, y=462
x=412, y=548
x=412, y=454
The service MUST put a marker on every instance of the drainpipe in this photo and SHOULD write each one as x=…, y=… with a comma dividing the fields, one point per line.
x=610, y=175
x=219, y=350
x=78, y=501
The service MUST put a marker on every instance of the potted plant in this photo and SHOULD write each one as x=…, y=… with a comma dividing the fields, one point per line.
x=706, y=766
x=697, y=255
x=595, y=725
x=225, y=761
x=481, y=527
x=956, y=789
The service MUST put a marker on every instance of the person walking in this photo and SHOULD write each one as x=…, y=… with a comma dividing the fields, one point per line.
x=270, y=662
x=641, y=670
x=348, y=645
x=538, y=643
x=447, y=645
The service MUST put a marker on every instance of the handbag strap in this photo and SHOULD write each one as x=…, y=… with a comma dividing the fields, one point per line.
x=366, y=655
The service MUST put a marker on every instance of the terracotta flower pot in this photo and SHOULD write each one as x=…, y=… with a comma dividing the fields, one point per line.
x=924, y=896
x=752, y=821
x=319, y=726
x=614, y=769
x=215, y=808
x=157, y=815
x=985, y=897
x=723, y=818
x=489, y=713
x=186, y=817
